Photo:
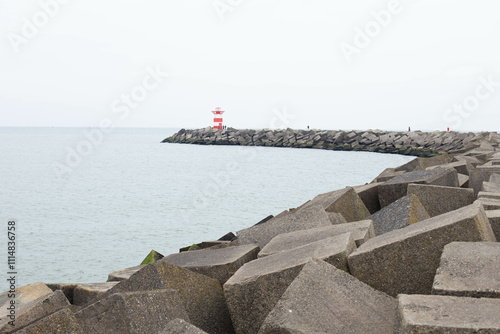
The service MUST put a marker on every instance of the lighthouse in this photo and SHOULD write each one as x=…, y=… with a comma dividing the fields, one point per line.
x=218, y=118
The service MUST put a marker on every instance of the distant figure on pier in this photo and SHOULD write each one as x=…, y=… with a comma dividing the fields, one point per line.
x=409, y=129
x=308, y=127
x=448, y=129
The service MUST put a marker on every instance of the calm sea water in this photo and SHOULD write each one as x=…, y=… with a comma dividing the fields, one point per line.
x=131, y=194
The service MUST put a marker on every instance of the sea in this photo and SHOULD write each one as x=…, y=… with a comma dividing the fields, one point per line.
x=86, y=203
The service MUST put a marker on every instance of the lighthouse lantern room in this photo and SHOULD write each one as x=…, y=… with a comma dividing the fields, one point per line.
x=218, y=118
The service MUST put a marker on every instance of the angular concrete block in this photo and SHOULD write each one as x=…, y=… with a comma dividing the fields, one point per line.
x=66, y=288
x=481, y=174
x=123, y=274
x=28, y=311
x=495, y=178
x=490, y=187
x=336, y=218
x=201, y=295
x=485, y=194
x=305, y=218
x=469, y=269
x=463, y=180
x=403, y=212
x=324, y=299
x=344, y=201
x=494, y=218
x=489, y=203
x=462, y=167
x=397, y=187
x=438, y=199
x=424, y=163
x=369, y=195
x=132, y=312
x=387, y=174
x=360, y=231
x=179, y=326
x=62, y=321
x=447, y=314
x=220, y=264
x=406, y=260
x=84, y=293
x=256, y=287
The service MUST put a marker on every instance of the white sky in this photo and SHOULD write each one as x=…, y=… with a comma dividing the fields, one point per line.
x=266, y=55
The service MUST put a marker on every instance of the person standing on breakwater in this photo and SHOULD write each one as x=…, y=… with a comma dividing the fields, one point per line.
x=409, y=129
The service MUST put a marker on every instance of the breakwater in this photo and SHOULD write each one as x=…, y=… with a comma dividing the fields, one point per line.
x=415, y=143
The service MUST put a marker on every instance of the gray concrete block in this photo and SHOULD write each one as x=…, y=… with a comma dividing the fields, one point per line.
x=220, y=264
x=495, y=178
x=360, y=232
x=424, y=163
x=438, y=199
x=305, y=218
x=490, y=187
x=387, y=174
x=336, y=218
x=481, y=174
x=179, y=326
x=448, y=315
x=123, y=274
x=462, y=167
x=66, y=288
x=469, y=269
x=494, y=218
x=406, y=260
x=324, y=299
x=403, y=212
x=256, y=287
x=489, y=203
x=463, y=181
x=62, y=321
x=85, y=293
x=132, y=312
x=369, y=195
x=485, y=194
x=397, y=187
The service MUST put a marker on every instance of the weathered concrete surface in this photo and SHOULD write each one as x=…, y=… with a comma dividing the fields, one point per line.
x=369, y=195
x=490, y=187
x=406, y=260
x=123, y=274
x=424, y=163
x=360, y=232
x=28, y=311
x=256, y=287
x=403, y=212
x=66, y=288
x=469, y=269
x=463, y=180
x=447, y=314
x=305, y=218
x=179, y=326
x=84, y=293
x=336, y=218
x=201, y=295
x=485, y=194
x=132, y=312
x=494, y=218
x=220, y=264
x=206, y=245
x=438, y=199
x=481, y=174
x=324, y=299
x=489, y=203
x=387, y=174
x=344, y=201
x=397, y=187
x=62, y=321
x=462, y=167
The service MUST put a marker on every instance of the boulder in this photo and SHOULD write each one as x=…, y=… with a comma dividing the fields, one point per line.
x=179, y=326
x=324, y=299
x=84, y=293
x=132, y=312
x=448, y=314
x=439, y=199
x=397, y=187
x=201, y=296
x=123, y=274
x=305, y=218
x=406, y=260
x=220, y=264
x=62, y=321
x=403, y=212
x=369, y=195
x=344, y=201
x=256, y=287
x=494, y=218
x=469, y=269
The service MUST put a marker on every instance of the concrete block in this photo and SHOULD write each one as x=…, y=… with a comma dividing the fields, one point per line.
x=201, y=295
x=324, y=299
x=305, y=218
x=62, y=321
x=179, y=326
x=403, y=212
x=387, y=174
x=397, y=187
x=424, y=163
x=360, y=232
x=344, y=201
x=495, y=178
x=85, y=293
x=469, y=269
x=448, y=314
x=490, y=187
x=486, y=194
x=463, y=180
x=123, y=274
x=406, y=260
x=66, y=288
x=494, y=218
x=132, y=312
x=462, y=167
x=369, y=195
x=489, y=203
x=438, y=199
x=220, y=264
x=256, y=287
x=336, y=218
x=205, y=245
x=481, y=174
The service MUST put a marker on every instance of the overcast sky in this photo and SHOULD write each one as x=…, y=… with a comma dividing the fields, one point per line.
x=359, y=64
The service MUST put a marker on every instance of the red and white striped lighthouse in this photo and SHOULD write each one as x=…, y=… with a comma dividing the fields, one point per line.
x=218, y=118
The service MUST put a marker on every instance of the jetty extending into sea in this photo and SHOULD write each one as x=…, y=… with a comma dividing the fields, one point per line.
x=414, y=251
